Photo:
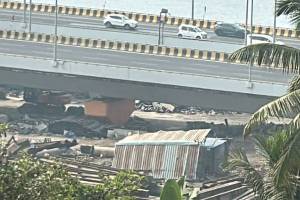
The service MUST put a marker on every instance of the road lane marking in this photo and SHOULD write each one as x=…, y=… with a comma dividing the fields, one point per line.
x=38, y=52
x=160, y=60
x=86, y=25
x=145, y=64
x=3, y=49
x=95, y=58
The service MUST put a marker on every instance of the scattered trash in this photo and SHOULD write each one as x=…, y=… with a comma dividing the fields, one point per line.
x=79, y=127
x=76, y=111
x=87, y=149
x=169, y=108
x=121, y=133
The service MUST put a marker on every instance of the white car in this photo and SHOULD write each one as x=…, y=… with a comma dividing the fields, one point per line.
x=117, y=20
x=189, y=31
x=259, y=38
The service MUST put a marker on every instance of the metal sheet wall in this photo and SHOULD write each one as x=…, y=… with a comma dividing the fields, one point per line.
x=164, y=161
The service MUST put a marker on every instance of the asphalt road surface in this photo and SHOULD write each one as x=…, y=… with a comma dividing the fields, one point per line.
x=90, y=27
x=118, y=58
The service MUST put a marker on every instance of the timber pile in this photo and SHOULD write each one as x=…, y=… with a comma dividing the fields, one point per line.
x=230, y=187
x=89, y=173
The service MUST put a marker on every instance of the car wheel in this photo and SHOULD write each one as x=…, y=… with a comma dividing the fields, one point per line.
x=108, y=25
x=198, y=38
x=241, y=35
x=179, y=35
x=127, y=27
x=218, y=33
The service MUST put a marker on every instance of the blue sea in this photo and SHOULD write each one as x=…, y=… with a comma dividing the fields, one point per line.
x=220, y=10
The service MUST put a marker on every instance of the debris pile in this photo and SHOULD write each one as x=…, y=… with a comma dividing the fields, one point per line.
x=29, y=126
x=41, y=109
x=169, y=108
x=229, y=187
x=154, y=107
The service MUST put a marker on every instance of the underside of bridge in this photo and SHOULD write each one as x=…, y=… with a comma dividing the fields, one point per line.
x=116, y=111
x=135, y=90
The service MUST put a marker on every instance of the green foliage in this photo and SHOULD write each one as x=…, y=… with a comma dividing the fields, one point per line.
x=290, y=8
x=273, y=54
x=282, y=151
x=266, y=184
x=28, y=178
x=272, y=147
x=181, y=183
x=3, y=129
x=124, y=185
x=171, y=191
x=268, y=54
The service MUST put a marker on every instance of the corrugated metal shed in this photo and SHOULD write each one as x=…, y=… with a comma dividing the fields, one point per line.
x=168, y=155
x=183, y=137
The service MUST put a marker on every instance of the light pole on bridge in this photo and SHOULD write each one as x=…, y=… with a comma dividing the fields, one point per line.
x=193, y=9
x=30, y=15
x=24, y=14
x=55, y=35
x=251, y=30
x=246, y=42
x=246, y=23
x=274, y=26
x=161, y=26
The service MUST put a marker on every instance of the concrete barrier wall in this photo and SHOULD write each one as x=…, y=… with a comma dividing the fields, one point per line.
x=147, y=18
x=100, y=13
x=116, y=45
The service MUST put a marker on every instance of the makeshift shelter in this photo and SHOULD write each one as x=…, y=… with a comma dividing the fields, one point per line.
x=172, y=154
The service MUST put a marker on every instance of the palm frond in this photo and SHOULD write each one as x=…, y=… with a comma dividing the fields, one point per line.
x=288, y=166
x=286, y=7
x=239, y=161
x=286, y=106
x=294, y=84
x=290, y=8
x=271, y=147
x=298, y=26
x=279, y=56
x=271, y=192
x=262, y=185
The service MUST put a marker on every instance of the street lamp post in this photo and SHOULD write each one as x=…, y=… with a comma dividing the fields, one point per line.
x=251, y=25
x=251, y=21
x=193, y=9
x=55, y=35
x=246, y=23
x=274, y=27
x=161, y=25
x=30, y=13
x=24, y=13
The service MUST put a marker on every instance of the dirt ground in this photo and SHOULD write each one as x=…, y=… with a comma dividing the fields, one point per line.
x=9, y=107
x=217, y=118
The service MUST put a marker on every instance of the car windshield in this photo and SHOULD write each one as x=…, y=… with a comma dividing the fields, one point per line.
x=126, y=18
x=198, y=30
x=237, y=26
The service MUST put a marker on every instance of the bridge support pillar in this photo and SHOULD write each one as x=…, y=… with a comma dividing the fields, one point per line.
x=116, y=111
